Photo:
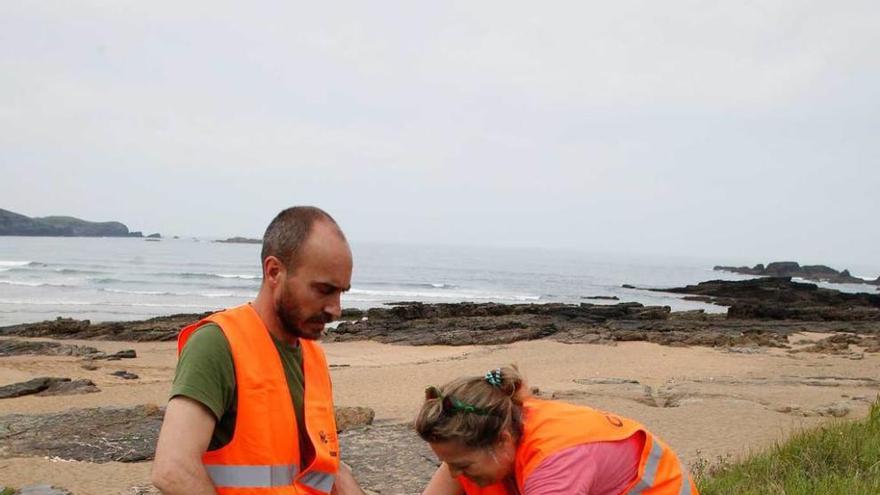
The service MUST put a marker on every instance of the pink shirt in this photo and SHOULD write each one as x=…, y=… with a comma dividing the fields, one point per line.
x=601, y=468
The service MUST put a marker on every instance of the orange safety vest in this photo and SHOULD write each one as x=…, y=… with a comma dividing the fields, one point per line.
x=263, y=456
x=550, y=427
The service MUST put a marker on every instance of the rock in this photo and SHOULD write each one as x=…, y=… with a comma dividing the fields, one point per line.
x=835, y=344
x=42, y=490
x=241, y=240
x=608, y=298
x=15, y=347
x=142, y=490
x=125, y=375
x=26, y=388
x=95, y=435
x=125, y=354
x=818, y=273
x=782, y=299
x=352, y=314
x=606, y=381
x=162, y=328
x=89, y=364
x=48, y=386
x=71, y=387
x=837, y=410
x=744, y=350
x=661, y=397
x=388, y=459
x=348, y=418
x=416, y=323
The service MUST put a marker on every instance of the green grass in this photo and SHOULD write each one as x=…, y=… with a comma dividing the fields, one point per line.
x=841, y=458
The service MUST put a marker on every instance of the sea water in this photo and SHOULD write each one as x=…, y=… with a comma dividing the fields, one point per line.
x=105, y=279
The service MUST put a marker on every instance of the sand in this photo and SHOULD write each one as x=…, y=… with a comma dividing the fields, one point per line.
x=725, y=404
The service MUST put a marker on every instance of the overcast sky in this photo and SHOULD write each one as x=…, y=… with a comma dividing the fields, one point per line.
x=737, y=129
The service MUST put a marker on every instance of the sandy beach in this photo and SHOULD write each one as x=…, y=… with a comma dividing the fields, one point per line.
x=706, y=402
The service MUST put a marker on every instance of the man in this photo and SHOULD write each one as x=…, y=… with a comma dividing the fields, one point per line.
x=251, y=406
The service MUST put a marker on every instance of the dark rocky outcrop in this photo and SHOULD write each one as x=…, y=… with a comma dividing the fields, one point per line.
x=102, y=434
x=818, y=273
x=162, y=328
x=778, y=298
x=48, y=386
x=12, y=223
x=417, y=323
x=116, y=356
x=125, y=375
x=15, y=347
x=240, y=240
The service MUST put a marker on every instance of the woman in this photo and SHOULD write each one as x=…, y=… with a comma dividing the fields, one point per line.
x=493, y=438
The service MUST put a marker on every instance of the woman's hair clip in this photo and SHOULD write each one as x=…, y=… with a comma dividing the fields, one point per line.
x=494, y=377
x=432, y=392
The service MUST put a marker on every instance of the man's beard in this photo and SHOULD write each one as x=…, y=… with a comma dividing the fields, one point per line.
x=288, y=311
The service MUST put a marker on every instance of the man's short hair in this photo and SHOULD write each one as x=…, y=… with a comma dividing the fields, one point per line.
x=288, y=231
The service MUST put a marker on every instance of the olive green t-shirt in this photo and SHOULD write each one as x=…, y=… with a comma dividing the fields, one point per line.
x=206, y=373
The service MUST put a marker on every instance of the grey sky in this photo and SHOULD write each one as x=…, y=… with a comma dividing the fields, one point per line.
x=731, y=130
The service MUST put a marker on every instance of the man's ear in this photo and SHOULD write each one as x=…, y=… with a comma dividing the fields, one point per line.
x=273, y=270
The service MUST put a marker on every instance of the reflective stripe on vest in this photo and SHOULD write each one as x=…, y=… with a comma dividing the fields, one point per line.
x=685, y=485
x=318, y=480
x=251, y=476
x=649, y=477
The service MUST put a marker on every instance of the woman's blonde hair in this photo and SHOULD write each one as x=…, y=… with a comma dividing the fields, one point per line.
x=474, y=411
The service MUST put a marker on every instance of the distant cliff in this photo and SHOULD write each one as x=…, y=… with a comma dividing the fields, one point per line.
x=12, y=223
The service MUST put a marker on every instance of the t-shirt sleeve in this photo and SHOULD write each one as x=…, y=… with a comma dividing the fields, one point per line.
x=205, y=370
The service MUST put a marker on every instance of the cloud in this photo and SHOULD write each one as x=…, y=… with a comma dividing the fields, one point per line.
x=682, y=126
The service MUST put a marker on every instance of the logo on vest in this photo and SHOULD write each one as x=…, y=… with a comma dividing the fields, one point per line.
x=323, y=436
x=614, y=420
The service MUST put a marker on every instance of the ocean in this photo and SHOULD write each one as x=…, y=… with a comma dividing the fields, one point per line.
x=106, y=279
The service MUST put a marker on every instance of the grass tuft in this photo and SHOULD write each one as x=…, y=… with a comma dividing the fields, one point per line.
x=840, y=458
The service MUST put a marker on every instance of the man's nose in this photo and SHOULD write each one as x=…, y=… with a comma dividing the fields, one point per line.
x=334, y=308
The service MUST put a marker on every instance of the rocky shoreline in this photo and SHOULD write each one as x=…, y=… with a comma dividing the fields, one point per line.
x=761, y=312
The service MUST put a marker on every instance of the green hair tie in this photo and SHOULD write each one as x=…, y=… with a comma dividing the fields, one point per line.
x=452, y=405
